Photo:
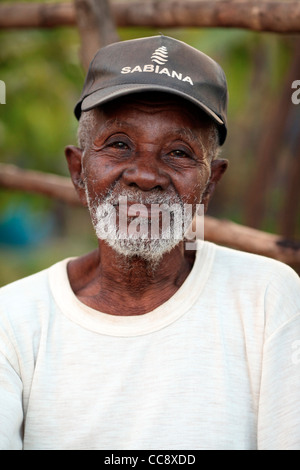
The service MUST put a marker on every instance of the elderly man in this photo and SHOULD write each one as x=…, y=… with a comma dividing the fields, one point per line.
x=153, y=341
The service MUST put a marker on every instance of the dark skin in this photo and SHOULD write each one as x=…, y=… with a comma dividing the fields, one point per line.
x=142, y=146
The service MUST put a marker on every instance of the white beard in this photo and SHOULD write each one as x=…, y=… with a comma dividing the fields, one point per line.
x=140, y=236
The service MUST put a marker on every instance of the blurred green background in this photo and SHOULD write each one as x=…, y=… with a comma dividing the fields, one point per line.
x=43, y=76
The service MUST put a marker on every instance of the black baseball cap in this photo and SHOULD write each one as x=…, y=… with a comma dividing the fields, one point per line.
x=157, y=63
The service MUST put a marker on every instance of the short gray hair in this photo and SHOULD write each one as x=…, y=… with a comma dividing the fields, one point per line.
x=87, y=123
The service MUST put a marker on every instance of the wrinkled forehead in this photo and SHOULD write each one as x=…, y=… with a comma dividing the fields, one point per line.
x=152, y=102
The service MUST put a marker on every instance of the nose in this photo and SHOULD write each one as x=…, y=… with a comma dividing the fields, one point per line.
x=146, y=174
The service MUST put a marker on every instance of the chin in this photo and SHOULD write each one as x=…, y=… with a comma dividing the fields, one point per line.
x=151, y=251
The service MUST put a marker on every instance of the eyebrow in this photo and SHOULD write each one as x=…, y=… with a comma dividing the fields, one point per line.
x=183, y=132
x=187, y=133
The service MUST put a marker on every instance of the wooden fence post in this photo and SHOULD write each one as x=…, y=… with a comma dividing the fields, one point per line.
x=96, y=27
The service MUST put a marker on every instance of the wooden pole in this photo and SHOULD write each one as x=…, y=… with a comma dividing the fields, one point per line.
x=47, y=184
x=277, y=17
x=291, y=205
x=96, y=27
x=241, y=237
x=36, y=15
x=268, y=152
x=222, y=232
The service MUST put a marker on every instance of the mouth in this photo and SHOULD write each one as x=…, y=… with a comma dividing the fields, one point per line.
x=137, y=209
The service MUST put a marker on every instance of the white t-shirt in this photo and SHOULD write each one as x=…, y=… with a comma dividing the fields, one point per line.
x=217, y=366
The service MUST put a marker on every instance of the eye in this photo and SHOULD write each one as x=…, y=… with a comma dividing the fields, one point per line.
x=179, y=154
x=118, y=145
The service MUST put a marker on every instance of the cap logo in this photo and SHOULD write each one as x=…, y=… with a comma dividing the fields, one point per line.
x=160, y=56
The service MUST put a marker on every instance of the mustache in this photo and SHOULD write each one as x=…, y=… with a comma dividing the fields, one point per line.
x=155, y=196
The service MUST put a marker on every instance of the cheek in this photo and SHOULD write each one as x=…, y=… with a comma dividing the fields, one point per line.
x=194, y=186
x=99, y=176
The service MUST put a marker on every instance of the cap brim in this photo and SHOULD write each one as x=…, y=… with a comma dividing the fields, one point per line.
x=103, y=96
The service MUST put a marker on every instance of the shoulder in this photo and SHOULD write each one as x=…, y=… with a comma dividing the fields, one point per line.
x=266, y=282
x=21, y=305
x=257, y=267
x=23, y=309
x=26, y=303
x=24, y=291
x=27, y=309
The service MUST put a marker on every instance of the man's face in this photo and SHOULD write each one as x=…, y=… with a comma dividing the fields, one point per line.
x=149, y=153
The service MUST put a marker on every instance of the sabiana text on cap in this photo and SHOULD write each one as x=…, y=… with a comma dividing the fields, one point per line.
x=150, y=68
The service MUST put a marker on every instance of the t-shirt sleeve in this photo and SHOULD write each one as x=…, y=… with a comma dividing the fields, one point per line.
x=279, y=410
x=11, y=409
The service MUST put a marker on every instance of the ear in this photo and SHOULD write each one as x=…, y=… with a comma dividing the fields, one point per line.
x=74, y=159
x=218, y=168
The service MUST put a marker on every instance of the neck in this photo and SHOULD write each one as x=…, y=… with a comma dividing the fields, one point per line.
x=111, y=283
x=137, y=275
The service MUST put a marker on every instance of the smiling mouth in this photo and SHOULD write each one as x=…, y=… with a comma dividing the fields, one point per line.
x=120, y=219
x=145, y=211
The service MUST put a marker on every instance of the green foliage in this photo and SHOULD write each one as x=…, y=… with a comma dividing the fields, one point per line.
x=43, y=79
